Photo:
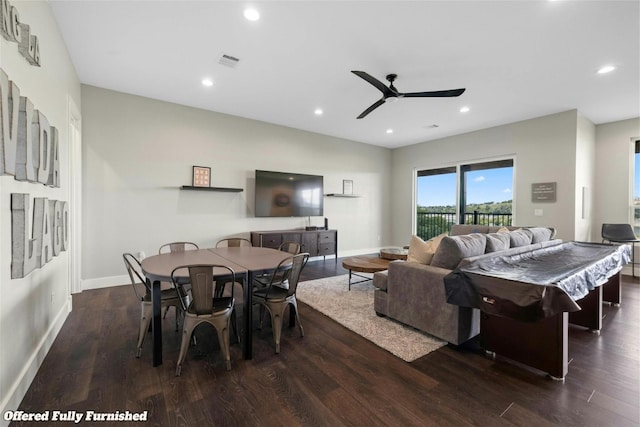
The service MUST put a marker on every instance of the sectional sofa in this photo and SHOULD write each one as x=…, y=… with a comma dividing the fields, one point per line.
x=413, y=293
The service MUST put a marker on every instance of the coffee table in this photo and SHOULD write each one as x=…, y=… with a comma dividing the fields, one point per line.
x=364, y=264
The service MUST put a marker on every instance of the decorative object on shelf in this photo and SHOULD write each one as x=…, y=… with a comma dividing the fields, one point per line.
x=201, y=176
x=347, y=186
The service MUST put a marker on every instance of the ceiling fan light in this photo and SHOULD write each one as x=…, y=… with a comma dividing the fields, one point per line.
x=391, y=99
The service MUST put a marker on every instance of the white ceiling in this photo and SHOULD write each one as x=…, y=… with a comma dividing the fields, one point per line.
x=517, y=60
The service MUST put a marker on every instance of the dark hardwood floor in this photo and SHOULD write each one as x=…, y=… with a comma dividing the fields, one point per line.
x=330, y=377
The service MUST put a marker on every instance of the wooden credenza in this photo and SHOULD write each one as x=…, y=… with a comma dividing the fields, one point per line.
x=315, y=242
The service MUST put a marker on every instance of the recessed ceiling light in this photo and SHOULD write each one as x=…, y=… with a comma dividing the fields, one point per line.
x=251, y=14
x=465, y=109
x=389, y=130
x=606, y=69
x=318, y=111
x=207, y=82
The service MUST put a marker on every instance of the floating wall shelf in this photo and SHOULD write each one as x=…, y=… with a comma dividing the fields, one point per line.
x=220, y=189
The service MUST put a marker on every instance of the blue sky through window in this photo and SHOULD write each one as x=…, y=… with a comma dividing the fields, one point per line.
x=488, y=185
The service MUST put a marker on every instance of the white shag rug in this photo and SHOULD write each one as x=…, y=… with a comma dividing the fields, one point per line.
x=354, y=310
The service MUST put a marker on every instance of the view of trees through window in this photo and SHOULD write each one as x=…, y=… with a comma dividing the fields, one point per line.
x=482, y=190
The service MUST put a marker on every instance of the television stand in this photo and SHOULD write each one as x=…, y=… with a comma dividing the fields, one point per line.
x=315, y=242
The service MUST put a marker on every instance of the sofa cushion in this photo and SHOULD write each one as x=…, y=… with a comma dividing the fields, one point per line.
x=380, y=279
x=421, y=251
x=498, y=242
x=520, y=237
x=453, y=249
x=460, y=229
x=540, y=234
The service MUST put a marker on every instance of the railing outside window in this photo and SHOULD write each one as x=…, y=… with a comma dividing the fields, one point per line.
x=431, y=224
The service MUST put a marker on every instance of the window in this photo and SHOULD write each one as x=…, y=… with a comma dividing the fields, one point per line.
x=436, y=202
x=475, y=193
x=485, y=193
x=635, y=203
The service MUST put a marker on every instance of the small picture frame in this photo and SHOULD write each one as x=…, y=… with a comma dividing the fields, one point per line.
x=347, y=186
x=201, y=176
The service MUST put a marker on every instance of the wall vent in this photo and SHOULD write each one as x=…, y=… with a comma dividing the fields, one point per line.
x=228, y=61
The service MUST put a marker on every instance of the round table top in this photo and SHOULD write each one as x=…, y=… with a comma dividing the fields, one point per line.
x=365, y=264
x=394, y=253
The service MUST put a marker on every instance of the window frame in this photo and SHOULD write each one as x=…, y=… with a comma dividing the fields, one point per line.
x=460, y=167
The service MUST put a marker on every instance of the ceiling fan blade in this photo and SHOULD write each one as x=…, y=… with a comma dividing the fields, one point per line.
x=370, y=109
x=377, y=83
x=433, y=94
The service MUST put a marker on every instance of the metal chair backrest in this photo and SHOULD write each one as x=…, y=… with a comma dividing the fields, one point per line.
x=618, y=233
x=177, y=247
x=134, y=268
x=233, y=242
x=203, y=287
x=289, y=269
x=292, y=247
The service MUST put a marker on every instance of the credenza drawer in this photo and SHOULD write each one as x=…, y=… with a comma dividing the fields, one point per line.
x=271, y=240
x=316, y=242
x=328, y=248
x=326, y=236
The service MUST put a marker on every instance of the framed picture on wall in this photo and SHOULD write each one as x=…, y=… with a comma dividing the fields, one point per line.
x=201, y=176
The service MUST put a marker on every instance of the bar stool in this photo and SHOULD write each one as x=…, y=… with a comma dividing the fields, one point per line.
x=621, y=233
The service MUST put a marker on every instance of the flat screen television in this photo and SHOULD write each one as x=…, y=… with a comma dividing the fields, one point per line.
x=288, y=194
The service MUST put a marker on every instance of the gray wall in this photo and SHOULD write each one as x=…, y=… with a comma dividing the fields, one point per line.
x=33, y=308
x=138, y=151
x=614, y=172
x=544, y=150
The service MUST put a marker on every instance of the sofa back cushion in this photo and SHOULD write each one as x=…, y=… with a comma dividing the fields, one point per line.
x=453, y=249
x=521, y=237
x=422, y=252
x=540, y=234
x=498, y=242
x=460, y=229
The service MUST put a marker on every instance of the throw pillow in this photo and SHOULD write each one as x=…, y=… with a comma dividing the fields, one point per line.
x=520, y=237
x=497, y=242
x=421, y=251
x=454, y=249
x=540, y=234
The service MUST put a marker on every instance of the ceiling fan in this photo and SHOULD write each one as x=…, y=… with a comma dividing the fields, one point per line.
x=390, y=93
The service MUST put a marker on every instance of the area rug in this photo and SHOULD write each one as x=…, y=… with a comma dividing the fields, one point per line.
x=354, y=310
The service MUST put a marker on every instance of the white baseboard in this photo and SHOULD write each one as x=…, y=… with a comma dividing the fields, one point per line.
x=20, y=387
x=105, y=282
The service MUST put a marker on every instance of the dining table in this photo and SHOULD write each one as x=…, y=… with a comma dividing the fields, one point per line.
x=247, y=263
